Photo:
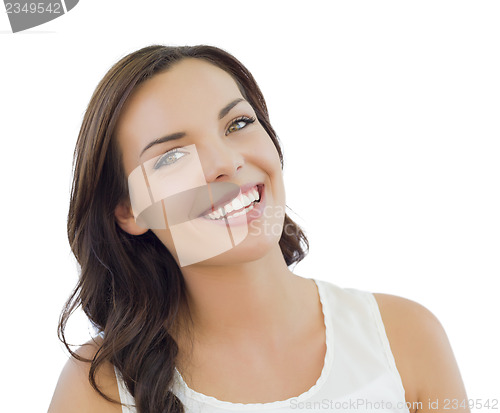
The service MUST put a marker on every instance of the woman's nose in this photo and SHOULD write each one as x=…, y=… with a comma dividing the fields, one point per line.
x=219, y=161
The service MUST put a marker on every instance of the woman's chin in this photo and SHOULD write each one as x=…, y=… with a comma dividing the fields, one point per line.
x=207, y=242
x=233, y=258
x=250, y=249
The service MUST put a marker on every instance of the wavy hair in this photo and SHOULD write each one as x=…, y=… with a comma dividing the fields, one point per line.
x=137, y=313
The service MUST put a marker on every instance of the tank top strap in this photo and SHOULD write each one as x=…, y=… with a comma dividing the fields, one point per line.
x=364, y=370
x=128, y=402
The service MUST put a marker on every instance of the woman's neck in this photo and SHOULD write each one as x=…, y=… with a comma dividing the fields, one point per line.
x=260, y=297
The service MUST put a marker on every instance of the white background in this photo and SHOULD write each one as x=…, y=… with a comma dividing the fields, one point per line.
x=388, y=112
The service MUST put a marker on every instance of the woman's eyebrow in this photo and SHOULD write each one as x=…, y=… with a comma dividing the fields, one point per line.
x=178, y=135
x=225, y=110
x=167, y=138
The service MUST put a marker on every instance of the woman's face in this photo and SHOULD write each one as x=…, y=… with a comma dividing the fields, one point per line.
x=204, y=175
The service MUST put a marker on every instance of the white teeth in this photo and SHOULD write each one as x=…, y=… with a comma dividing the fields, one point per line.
x=237, y=214
x=217, y=215
x=246, y=200
x=242, y=201
x=237, y=203
x=255, y=193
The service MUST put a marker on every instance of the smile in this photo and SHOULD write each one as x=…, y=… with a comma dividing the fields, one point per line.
x=240, y=205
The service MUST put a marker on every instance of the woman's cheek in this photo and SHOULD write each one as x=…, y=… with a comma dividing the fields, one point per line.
x=262, y=151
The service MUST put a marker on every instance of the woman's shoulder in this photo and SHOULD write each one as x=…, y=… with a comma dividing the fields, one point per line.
x=74, y=393
x=408, y=321
x=421, y=349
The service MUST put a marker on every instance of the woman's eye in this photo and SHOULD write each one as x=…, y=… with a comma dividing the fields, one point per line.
x=169, y=158
x=238, y=124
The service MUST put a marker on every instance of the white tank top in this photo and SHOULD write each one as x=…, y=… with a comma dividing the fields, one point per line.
x=359, y=373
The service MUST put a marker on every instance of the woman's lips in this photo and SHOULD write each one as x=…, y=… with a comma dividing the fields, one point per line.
x=240, y=205
x=216, y=201
x=210, y=196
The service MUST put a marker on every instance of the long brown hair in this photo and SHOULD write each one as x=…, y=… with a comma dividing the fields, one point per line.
x=130, y=287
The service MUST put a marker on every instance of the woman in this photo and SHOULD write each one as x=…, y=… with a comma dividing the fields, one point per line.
x=177, y=221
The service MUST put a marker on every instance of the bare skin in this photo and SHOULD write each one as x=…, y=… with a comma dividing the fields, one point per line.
x=259, y=332
x=423, y=355
x=421, y=349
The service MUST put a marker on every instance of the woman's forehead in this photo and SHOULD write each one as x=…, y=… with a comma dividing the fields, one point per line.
x=188, y=95
x=187, y=84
